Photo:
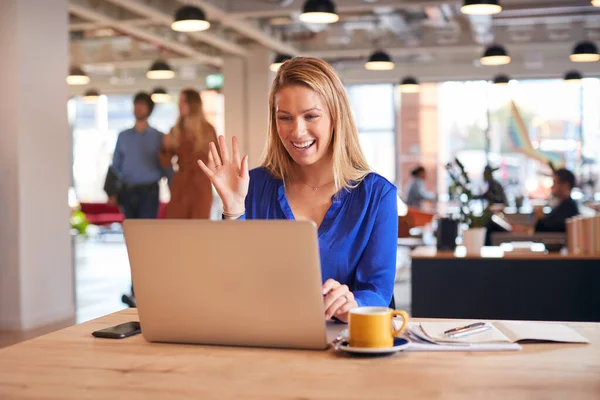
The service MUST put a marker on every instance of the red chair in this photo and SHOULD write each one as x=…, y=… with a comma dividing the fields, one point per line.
x=102, y=214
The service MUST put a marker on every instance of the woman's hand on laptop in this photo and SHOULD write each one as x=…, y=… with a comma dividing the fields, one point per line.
x=229, y=175
x=338, y=300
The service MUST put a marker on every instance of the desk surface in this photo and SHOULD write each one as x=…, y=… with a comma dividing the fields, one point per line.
x=72, y=364
x=430, y=252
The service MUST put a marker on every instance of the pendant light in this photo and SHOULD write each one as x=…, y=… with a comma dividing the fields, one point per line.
x=190, y=19
x=585, y=51
x=279, y=59
x=481, y=7
x=495, y=55
x=319, y=12
x=501, y=79
x=77, y=77
x=379, y=61
x=596, y=3
x=91, y=96
x=409, y=85
x=573, y=76
x=160, y=95
x=160, y=70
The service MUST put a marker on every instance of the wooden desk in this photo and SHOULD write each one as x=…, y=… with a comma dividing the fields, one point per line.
x=71, y=364
x=501, y=285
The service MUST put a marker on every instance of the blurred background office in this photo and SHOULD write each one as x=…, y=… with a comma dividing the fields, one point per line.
x=511, y=85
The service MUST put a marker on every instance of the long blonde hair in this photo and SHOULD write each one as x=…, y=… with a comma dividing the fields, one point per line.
x=195, y=122
x=349, y=164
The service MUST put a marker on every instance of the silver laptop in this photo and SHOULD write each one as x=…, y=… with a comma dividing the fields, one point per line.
x=242, y=283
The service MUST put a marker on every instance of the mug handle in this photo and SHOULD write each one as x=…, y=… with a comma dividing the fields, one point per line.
x=404, y=316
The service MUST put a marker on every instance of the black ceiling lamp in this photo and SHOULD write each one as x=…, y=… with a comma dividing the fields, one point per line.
x=160, y=70
x=319, y=12
x=160, y=95
x=501, y=79
x=481, y=7
x=573, y=76
x=495, y=55
x=379, y=61
x=190, y=19
x=77, y=77
x=279, y=59
x=409, y=84
x=91, y=96
x=585, y=51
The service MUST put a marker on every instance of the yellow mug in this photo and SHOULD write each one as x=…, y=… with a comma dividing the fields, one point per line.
x=372, y=326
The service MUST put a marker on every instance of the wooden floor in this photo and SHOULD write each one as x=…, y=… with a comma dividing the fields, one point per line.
x=103, y=276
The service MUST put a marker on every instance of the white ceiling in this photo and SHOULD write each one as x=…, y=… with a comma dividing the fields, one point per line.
x=427, y=38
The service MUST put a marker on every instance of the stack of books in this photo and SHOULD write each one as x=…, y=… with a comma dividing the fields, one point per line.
x=583, y=235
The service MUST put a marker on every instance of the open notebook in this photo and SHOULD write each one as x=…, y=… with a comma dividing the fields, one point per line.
x=503, y=335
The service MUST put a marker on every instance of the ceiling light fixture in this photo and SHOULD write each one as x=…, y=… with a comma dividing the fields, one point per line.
x=77, y=77
x=409, y=85
x=91, y=96
x=573, y=76
x=379, y=61
x=160, y=70
x=319, y=12
x=495, y=55
x=481, y=7
x=585, y=51
x=279, y=60
x=501, y=79
x=596, y=3
x=190, y=19
x=160, y=95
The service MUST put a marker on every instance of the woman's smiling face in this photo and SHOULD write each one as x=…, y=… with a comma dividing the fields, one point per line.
x=303, y=124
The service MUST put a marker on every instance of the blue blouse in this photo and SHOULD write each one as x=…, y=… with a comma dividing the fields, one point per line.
x=358, y=237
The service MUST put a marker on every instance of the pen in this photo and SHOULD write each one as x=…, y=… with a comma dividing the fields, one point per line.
x=472, y=329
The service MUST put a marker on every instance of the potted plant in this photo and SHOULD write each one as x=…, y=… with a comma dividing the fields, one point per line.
x=474, y=235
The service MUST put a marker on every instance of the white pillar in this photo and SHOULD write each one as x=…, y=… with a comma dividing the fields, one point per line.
x=246, y=92
x=259, y=82
x=234, y=95
x=36, y=266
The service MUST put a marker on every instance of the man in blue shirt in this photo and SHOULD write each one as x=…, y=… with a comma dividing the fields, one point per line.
x=138, y=168
x=136, y=163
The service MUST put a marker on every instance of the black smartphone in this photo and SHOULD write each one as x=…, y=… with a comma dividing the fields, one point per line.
x=119, y=331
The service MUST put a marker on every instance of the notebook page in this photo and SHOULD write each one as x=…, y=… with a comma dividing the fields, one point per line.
x=435, y=330
x=543, y=331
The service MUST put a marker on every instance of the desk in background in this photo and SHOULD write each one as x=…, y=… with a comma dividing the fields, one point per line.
x=501, y=285
x=71, y=364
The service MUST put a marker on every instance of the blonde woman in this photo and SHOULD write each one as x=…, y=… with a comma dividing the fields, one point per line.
x=314, y=169
x=191, y=192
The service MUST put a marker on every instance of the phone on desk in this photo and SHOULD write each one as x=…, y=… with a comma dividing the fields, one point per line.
x=120, y=331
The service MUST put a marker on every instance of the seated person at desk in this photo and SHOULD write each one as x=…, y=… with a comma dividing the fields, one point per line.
x=314, y=169
x=416, y=190
x=564, y=181
x=495, y=192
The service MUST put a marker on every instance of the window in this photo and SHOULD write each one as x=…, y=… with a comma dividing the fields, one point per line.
x=373, y=108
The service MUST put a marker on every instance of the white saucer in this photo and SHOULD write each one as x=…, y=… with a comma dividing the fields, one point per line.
x=399, y=345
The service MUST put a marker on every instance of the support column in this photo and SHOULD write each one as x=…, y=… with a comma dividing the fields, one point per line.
x=36, y=267
x=234, y=94
x=246, y=92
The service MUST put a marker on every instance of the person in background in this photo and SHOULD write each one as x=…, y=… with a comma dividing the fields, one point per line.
x=314, y=169
x=191, y=191
x=416, y=189
x=495, y=192
x=137, y=167
x=564, y=182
